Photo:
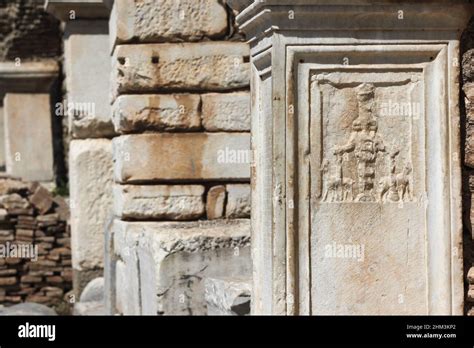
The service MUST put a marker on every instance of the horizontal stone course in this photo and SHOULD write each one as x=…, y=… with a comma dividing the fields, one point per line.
x=133, y=113
x=211, y=66
x=165, y=20
x=148, y=158
x=163, y=202
x=226, y=112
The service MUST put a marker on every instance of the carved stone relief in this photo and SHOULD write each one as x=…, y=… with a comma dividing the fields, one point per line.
x=362, y=165
x=368, y=130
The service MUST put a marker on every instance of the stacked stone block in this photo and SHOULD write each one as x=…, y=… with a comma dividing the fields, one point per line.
x=470, y=292
x=35, y=262
x=468, y=115
x=181, y=106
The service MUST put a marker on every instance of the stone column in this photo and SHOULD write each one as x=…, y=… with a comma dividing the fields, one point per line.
x=86, y=104
x=355, y=131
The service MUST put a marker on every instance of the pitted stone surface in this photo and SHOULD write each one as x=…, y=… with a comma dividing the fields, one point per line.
x=91, y=178
x=173, y=202
x=165, y=20
x=164, y=263
x=133, y=113
x=213, y=66
x=228, y=296
x=238, y=201
x=226, y=112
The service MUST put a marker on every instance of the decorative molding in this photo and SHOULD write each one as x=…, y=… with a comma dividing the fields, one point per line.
x=27, y=77
x=83, y=9
x=342, y=15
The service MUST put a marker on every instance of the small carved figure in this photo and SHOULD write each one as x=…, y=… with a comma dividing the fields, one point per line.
x=404, y=184
x=364, y=142
x=388, y=190
x=384, y=186
x=333, y=184
x=396, y=187
x=336, y=187
x=348, y=189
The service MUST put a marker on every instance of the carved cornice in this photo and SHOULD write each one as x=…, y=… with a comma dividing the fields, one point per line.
x=28, y=77
x=83, y=9
x=261, y=16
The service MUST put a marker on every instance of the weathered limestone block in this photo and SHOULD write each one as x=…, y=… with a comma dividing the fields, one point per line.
x=28, y=136
x=42, y=199
x=164, y=20
x=470, y=276
x=181, y=156
x=226, y=112
x=238, y=201
x=134, y=113
x=213, y=66
x=215, y=202
x=127, y=287
x=90, y=179
x=133, y=202
x=470, y=294
x=469, y=145
x=163, y=264
x=228, y=296
x=87, y=64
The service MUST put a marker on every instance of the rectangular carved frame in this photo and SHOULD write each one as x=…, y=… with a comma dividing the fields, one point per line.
x=440, y=67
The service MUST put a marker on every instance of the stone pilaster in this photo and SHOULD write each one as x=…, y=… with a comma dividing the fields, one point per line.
x=86, y=105
x=330, y=175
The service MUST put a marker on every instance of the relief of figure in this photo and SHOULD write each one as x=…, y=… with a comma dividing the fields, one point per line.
x=336, y=187
x=388, y=190
x=404, y=183
x=332, y=184
x=348, y=189
x=396, y=187
x=365, y=143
